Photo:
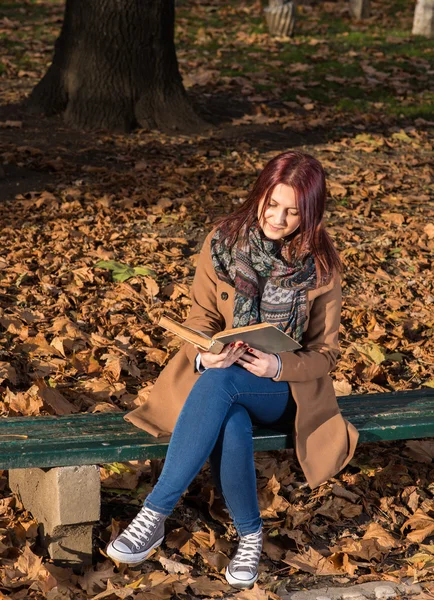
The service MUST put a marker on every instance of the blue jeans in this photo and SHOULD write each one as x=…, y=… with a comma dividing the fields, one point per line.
x=216, y=423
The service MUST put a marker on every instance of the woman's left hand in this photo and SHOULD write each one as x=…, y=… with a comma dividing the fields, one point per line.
x=259, y=363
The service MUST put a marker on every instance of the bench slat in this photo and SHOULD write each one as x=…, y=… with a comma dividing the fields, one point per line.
x=107, y=437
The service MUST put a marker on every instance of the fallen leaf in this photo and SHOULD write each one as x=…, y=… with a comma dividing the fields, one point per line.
x=7, y=371
x=421, y=524
x=211, y=588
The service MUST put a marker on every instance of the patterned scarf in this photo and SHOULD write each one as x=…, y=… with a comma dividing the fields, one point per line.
x=283, y=301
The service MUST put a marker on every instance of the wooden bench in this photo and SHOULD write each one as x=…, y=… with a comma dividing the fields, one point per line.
x=52, y=460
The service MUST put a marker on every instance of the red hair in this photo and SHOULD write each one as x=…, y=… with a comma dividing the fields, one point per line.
x=306, y=176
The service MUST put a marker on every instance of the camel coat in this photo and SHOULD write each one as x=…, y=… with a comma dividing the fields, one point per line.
x=323, y=440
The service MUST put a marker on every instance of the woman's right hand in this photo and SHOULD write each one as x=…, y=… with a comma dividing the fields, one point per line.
x=226, y=358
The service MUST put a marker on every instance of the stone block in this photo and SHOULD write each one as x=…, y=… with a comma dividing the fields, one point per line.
x=70, y=544
x=364, y=591
x=384, y=591
x=65, y=501
x=59, y=496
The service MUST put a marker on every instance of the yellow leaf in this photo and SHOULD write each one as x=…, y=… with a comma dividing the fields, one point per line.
x=373, y=352
x=135, y=584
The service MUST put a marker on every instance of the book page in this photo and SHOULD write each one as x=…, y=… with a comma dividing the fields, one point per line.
x=204, y=335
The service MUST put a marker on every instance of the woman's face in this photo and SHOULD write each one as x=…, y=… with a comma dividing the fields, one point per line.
x=281, y=216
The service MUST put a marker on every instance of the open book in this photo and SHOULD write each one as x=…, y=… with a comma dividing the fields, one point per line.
x=264, y=337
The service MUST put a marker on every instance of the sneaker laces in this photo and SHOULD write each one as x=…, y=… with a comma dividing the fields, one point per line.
x=142, y=527
x=249, y=551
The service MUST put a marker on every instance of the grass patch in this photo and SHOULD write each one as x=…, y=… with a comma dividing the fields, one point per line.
x=330, y=44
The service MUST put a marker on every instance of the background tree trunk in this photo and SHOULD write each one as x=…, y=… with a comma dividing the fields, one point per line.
x=280, y=17
x=360, y=9
x=423, y=23
x=115, y=67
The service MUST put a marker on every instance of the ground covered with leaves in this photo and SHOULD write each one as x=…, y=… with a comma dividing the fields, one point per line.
x=100, y=235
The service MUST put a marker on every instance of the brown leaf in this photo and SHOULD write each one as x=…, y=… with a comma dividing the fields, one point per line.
x=421, y=524
x=114, y=593
x=164, y=586
x=203, y=539
x=28, y=564
x=38, y=345
x=411, y=497
x=270, y=503
x=337, y=189
x=152, y=286
x=341, y=492
x=24, y=403
x=102, y=389
x=394, y=218
x=312, y=561
x=272, y=549
x=95, y=580
x=217, y=561
x=364, y=549
x=54, y=400
x=156, y=355
x=420, y=450
x=337, y=508
x=212, y=588
x=175, y=290
x=127, y=480
x=104, y=407
x=15, y=326
x=182, y=540
x=113, y=366
x=255, y=593
x=172, y=566
x=7, y=371
x=384, y=539
x=429, y=230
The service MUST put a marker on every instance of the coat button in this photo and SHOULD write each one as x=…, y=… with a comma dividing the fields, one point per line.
x=224, y=296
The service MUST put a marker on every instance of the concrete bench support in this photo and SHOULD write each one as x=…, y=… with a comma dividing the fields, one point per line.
x=66, y=503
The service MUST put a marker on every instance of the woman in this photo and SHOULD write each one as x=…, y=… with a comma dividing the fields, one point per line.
x=271, y=260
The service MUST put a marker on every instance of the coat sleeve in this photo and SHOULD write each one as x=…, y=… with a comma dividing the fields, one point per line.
x=320, y=341
x=204, y=315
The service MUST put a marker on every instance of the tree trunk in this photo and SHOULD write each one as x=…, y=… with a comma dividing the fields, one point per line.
x=423, y=23
x=280, y=17
x=360, y=9
x=115, y=67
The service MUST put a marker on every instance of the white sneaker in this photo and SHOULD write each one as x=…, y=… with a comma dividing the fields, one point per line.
x=242, y=571
x=143, y=534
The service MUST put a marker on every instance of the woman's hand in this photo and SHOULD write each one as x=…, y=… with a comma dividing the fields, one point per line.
x=227, y=357
x=259, y=363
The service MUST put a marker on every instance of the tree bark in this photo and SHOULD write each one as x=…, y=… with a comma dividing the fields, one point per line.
x=360, y=9
x=280, y=17
x=423, y=23
x=115, y=67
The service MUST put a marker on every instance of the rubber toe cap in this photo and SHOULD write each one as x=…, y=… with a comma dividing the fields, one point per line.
x=242, y=575
x=120, y=547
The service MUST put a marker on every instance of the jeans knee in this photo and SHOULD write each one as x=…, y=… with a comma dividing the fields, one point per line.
x=219, y=380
